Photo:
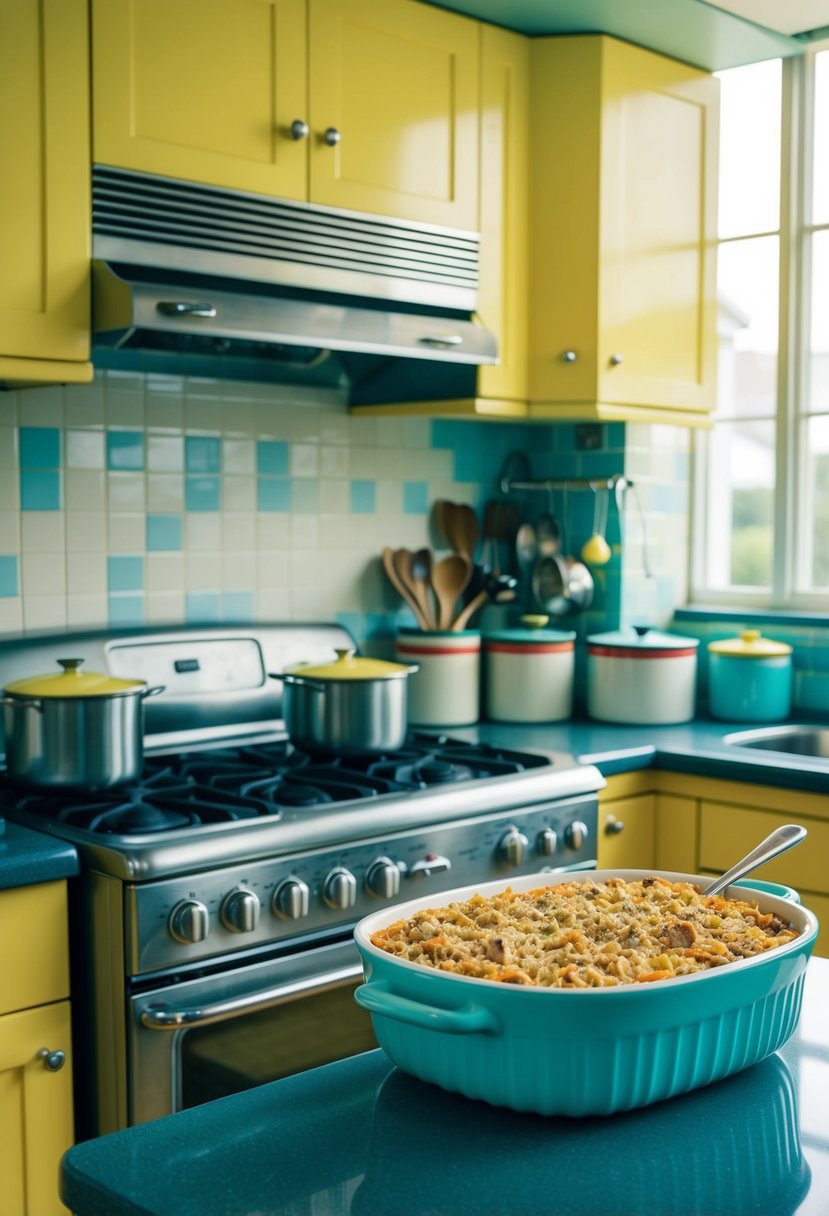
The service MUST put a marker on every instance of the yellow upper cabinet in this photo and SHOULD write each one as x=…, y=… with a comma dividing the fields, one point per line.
x=623, y=215
x=348, y=103
x=44, y=200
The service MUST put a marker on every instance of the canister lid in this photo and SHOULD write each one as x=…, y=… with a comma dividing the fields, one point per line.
x=348, y=666
x=642, y=640
x=750, y=645
x=532, y=634
x=72, y=682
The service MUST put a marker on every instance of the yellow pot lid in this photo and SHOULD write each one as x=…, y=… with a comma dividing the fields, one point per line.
x=72, y=682
x=750, y=645
x=349, y=666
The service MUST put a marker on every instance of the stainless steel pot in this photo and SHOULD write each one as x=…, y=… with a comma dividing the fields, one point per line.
x=74, y=730
x=350, y=705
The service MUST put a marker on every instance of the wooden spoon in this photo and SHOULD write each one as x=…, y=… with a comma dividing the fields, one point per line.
x=405, y=592
x=407, y=569
x=422, y=582
x=449, y=578
x=461, y=525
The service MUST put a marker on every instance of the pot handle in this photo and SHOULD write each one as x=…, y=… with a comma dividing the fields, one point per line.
x=28, y=702
x=472, y=1019
x=152, y=692
x=298, y=680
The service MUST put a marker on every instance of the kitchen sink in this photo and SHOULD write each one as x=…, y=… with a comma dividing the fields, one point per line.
x=796, y=740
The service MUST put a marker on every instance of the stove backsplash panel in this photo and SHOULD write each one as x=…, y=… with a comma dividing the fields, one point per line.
x=152, y=499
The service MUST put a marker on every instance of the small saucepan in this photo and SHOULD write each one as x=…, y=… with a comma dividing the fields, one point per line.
x=74, y=729
x=562, y=585
x=353, y=705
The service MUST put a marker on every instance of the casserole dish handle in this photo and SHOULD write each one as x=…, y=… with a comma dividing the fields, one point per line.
x=472, y=1019
x=770, y=888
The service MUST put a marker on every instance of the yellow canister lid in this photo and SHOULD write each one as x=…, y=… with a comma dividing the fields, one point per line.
x=349, y=666
x=72, y=682
x=750, y=645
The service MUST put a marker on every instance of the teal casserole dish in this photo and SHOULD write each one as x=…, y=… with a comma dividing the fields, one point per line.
x=594, y=1051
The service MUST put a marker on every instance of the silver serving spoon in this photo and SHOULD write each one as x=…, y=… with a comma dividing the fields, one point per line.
x=779, y=840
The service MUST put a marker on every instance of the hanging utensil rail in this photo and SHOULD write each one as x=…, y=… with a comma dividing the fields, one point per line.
x=568, y=483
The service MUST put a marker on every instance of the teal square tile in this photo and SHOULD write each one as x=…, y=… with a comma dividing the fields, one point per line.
x=126, y=609
x=202, y=606
x=273, y=494
x=202, y=454
x=164, y=533
x=125, y=450
x=39, y=447
x=238, y=606
x=272, y=456
x=40, y=490
x=415, y=498
x=125, y=574
x=9, y=577
x=363, y=497
x=202, y=493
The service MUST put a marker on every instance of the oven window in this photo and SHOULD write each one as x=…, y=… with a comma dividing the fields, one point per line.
x=258, y=1047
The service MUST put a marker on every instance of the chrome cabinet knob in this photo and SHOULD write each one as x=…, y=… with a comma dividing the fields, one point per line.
x=547, y=842
x=331, y=137
x=189, y=922
x=613, y=826
x=615, y=360
x=299, y=129
x=53, y=1061
x=569, y=356
x=383, y=878
x=576, y=834
x=290, y=899
x=340, y=889
x=240, y=911
x=513, y=847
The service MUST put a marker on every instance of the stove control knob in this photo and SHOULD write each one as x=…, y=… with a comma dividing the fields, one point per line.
x=576, y=834
x=240, y=911
x=340, y=889
x=290, y=899
x=513, y=847
x=383, y=878
x=547, y=842
x=189, y=922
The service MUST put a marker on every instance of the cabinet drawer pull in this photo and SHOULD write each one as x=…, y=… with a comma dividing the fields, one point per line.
x=53, y=1061
x=448, y=340
x=331, y=137
x=569, y=356
x=613, y=826
x=299, y=129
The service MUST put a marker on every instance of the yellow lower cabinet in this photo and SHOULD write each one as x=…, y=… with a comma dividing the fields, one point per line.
x=728, y=832
x=35, y=1108
x=627, y=833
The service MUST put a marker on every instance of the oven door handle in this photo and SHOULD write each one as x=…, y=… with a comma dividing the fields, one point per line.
x=161, y=1016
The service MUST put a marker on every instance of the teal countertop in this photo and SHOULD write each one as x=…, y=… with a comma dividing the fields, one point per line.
x=28, y=857
x=361, y=1137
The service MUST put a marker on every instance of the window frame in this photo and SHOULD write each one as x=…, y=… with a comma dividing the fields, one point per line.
x=791, y=419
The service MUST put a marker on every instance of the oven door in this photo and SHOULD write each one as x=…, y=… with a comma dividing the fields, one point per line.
x=203, y=1038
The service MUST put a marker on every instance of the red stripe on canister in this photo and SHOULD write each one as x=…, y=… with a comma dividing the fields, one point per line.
x=633, y=652
x=530, y=648
x=444, y=650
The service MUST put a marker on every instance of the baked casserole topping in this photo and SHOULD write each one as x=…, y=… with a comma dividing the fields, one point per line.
x=586, y=934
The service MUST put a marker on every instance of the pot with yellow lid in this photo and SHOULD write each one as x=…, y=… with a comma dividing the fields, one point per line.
x=74, y=729
x=749, y=678
x=348, y=706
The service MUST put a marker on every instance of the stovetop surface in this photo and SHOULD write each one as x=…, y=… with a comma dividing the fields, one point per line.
x=225, y=784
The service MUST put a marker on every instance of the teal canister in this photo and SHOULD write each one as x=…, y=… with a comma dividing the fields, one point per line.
x=749, y=678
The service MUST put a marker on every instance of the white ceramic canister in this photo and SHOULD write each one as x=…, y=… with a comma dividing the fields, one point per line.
x=529, y=672
x=445, y=691
x=641, y=676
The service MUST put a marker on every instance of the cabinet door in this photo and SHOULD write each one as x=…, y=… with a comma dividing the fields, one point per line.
x=204, y=90
x=503, y=298
x=627, y=833
x=729, y=832
x=35, y=1108
x=398, y=83
x=657, y=327
x=44, y=200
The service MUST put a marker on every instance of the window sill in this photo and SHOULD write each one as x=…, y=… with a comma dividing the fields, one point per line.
x=768, y=616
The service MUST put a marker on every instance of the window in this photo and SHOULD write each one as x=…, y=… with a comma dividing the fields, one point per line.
x=761, y=535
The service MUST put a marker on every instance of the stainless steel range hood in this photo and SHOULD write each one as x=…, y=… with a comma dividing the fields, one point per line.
x=195, y=278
